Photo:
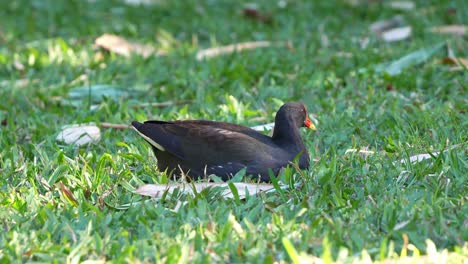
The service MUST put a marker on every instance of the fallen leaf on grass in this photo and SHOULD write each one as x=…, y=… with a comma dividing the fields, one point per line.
x=391, y=30
x=158, y=190
x=420, y=157
x=396, y=34
x=461, y=62
x=79, y=135
x=253, y=13
x=458, y=30
x=214, y=52
x=21, y=83
x=124, y=47
x=18, y=65
x=68, y=194
x=384, y=25
x=411, y=59
x=115, y=126
x=364, y=152
x=402, y=5
x=140, y=2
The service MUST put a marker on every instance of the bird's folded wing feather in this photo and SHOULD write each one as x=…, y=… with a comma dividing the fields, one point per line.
x=194, y=141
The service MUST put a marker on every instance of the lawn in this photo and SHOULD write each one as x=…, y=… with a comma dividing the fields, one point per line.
x=378, y=105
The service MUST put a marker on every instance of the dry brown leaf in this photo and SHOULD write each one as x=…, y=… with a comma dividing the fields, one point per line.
x=462, y=62
x=214, y=52
x=396, y=34
x=158, y=190
x=452, y=59
x=80, y=134
x=68, y=194
x=458, y=30
x=253, y=13
x=124, y=47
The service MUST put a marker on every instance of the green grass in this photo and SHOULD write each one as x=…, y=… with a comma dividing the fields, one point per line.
x=364, y=206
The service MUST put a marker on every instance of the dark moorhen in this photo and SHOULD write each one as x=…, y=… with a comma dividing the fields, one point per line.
x=198, y=148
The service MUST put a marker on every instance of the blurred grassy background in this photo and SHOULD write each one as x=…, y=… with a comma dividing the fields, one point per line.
x=346, y=201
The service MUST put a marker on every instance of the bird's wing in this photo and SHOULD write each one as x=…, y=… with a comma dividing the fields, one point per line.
x=192, y=140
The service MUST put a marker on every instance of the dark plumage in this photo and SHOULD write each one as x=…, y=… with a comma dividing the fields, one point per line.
x=200, y=148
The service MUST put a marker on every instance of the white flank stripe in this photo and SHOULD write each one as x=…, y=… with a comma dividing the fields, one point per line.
x=152, y=142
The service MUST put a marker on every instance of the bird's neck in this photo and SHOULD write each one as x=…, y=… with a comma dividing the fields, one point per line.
x=286, y=132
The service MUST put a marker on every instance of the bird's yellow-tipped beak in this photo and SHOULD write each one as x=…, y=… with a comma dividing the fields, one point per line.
x=308, y=123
